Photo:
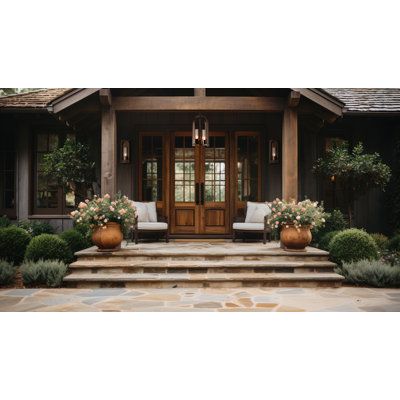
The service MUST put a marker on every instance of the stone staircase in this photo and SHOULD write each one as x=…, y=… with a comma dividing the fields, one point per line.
x=202, y=264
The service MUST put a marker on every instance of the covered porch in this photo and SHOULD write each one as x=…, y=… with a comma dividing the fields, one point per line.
x=262, y=146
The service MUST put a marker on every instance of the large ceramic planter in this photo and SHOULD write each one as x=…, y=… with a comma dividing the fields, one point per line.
x=295, y=239
x=108, y=239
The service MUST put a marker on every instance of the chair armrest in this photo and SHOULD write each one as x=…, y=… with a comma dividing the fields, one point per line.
x=162, y=218
x=238, y=219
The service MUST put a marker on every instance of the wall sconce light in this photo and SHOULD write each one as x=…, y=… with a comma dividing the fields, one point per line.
x=125, y=151
x=200, y=131
x=273, y=151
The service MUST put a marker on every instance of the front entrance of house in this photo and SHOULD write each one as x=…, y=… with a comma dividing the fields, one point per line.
x=200, y=189
x=200, y=179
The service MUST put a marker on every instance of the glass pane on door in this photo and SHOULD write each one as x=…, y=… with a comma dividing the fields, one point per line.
x=184, y=170
x=215, y=170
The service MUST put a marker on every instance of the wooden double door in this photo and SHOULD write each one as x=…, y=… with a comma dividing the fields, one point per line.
x=199, y=185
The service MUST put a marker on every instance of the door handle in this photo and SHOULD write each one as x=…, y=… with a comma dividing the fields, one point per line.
x=202, y=193
x=197, y=193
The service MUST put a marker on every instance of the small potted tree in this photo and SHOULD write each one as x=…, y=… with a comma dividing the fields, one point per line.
x=355, y=171
x=107, y=218
x=295, y=221
x=71, y=167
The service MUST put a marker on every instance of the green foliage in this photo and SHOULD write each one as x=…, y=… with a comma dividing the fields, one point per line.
x=325, y=241
x=391, y=257
x=335, y=221
x=48, y=247
x=371, y=273
x=4, y=221
x=394, y=243
x=355, y=171
x=48, y=273
x=7, y=273
x=69, y=165
x=353, y=245
x=380, y=240
x=35, y=228
x=85, y=231
x=13, y=242
x=8, y=91
x=75, y=240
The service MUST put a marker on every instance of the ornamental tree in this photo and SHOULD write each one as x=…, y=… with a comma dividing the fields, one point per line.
x=356, y=171
x=71, y=167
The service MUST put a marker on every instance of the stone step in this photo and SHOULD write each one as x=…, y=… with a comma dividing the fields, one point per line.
x=203, y=280
x=215, y=253
x=204, y=257
x=124, y=266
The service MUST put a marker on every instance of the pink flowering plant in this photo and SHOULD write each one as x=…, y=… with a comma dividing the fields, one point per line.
x=100, y=210
x=305, y=213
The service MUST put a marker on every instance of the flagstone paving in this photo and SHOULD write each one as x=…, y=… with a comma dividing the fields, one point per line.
x=202, y=299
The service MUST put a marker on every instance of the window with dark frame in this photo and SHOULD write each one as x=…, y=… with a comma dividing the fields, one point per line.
x=152, y=167
x=247, y=167
x=8, y=177
x=48, y=197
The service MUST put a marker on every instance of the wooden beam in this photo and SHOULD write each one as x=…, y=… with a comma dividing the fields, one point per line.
x=198, y=103
x=105, y=97
x=108, y=152
x=290, y=155
x=293, y=99
x=199, y=92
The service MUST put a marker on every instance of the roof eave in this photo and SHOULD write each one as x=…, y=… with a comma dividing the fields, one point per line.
x=324, y=100
x=69, y=99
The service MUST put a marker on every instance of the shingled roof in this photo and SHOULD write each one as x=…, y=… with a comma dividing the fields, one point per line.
x=38, y=99
x=368, y=100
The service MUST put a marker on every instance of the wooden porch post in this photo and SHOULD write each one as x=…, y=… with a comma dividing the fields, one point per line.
x=23, y=168
x=289, y=154
x=108, y=151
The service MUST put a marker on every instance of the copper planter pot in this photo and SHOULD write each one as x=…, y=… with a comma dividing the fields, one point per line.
x=295, y=239
x=108, y=239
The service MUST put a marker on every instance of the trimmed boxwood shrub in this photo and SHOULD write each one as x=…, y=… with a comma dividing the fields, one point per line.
x=48, y=247
x=394, y=243
x=371, y=273
x=380, y=240
x=35, y=228
x=326, y=240
x=335, y=222
x=13, y=243
x=353, y=245
x=7, y=273
x=48, y=273
x=75, y=240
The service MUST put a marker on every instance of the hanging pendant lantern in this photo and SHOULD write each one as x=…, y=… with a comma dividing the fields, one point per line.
x=200, y=131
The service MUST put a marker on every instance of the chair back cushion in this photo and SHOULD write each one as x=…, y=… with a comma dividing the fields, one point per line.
x=142, y=213
x=152, y=211
x=256, y=212
x=146, y=211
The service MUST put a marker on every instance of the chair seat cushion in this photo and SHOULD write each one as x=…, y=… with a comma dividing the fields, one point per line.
x=152, y=226
x=248, y=226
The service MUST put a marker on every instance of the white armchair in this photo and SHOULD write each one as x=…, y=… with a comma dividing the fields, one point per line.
x=148, y=222
x=255, y=221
